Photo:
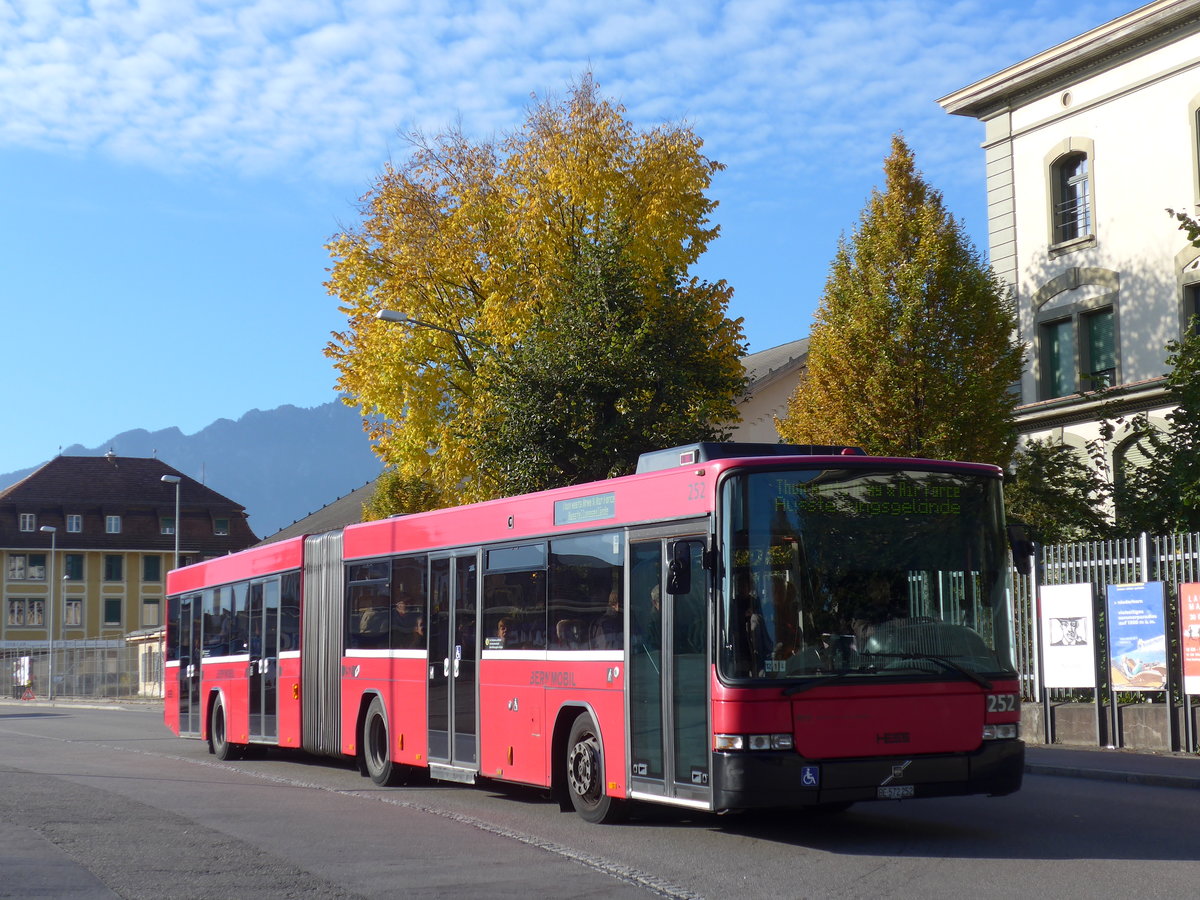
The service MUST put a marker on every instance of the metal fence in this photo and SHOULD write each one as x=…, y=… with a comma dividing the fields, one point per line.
x=1171, y=559
x=113, y=670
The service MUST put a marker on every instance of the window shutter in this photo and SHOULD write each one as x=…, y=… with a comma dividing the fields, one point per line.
x=1102, y=356
x=1059, y=358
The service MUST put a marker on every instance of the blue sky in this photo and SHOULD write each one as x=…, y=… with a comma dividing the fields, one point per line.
x=170, y=170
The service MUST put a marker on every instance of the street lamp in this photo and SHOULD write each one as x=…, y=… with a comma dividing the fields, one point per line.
x=400, y=318
x=53, y=532
x=174, y=479
x=391, y=315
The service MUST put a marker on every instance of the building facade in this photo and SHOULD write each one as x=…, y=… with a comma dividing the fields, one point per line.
x=773, y=376
x=86, y=543
x=1087, y=145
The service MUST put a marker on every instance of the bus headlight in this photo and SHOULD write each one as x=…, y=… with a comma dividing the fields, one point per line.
x=1006, y=732
x=753, y=742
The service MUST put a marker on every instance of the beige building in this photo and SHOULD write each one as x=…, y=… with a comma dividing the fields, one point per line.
x=1087, y=144
x=86, y=543
x=773, y=375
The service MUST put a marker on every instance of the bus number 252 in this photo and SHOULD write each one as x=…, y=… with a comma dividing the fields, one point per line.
x=1001, y=703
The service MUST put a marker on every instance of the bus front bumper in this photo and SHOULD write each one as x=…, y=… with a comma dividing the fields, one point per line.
x=782, y=779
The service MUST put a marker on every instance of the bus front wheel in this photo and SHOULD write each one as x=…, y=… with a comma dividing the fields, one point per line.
x=585, y=774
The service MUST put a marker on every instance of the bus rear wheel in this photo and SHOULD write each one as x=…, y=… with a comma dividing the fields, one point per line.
x=585, y=774
x=377, y=748
x=218, y=734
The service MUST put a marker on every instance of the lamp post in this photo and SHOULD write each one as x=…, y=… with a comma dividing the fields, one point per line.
x=175, y=479
x=461, y=340
x=53, y=532
x=391, y=315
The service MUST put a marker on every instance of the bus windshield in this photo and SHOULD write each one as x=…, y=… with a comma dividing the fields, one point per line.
x=863, y=573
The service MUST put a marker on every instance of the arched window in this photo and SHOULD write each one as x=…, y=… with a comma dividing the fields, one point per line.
x=1072, y=214
x=1132, y=453
x=1077, y=318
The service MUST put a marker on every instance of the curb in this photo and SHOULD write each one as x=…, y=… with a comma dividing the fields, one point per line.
x=115, y=705
x=1145, y=779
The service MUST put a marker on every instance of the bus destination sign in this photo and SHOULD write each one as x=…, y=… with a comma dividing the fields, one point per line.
x=585, y=509
x=894, y=499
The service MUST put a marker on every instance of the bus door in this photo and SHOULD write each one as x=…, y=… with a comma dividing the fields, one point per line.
x=669, y=671
x=453, y=665
x=189, y=665
x=264, y=660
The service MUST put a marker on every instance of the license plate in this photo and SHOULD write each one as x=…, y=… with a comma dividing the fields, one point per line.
x=895, y=792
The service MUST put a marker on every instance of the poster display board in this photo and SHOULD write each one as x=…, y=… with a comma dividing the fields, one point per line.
x=1189, y=630
x=1068, y=636
x=1137, y=636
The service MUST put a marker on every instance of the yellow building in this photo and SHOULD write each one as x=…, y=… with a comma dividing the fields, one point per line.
x=86, y=543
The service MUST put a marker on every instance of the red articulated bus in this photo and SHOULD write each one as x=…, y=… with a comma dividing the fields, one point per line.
x=733, y=627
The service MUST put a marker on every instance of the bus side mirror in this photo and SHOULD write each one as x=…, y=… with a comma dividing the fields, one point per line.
x=679, y=569
x=1021, y=544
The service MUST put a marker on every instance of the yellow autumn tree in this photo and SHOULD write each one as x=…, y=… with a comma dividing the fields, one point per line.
x=913, y=352
x=473, y=242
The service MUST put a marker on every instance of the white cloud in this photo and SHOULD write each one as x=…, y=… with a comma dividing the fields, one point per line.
x=319, y=89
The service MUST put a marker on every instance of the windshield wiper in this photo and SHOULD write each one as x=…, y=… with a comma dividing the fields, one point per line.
x=822, y=680
x=945, y=663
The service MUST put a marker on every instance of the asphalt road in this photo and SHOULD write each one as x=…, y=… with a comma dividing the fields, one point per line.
x=106, y=803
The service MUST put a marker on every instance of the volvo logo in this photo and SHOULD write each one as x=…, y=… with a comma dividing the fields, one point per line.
x=897, y=772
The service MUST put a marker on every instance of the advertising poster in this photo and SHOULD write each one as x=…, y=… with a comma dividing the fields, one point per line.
x=1137, y=636
x=1068, y=636
x=1189, y=630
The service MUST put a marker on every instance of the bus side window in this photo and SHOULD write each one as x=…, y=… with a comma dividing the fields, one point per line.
x=516, y=603
x=586, y=589
x=409, y=598
x=289, y=618
x=239, y=633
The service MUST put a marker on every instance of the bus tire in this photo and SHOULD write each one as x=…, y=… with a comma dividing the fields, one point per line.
x=218, y=734
x=585, y=775
x=377, y=747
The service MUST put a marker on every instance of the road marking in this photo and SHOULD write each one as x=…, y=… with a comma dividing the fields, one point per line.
x=627, y=874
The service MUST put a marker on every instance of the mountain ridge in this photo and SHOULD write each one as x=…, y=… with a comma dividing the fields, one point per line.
x=280, y=464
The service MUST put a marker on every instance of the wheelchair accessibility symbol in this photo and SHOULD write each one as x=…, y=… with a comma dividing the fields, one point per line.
x=810, y=776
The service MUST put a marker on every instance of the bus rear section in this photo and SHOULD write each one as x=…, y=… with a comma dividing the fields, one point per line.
x=232, y=670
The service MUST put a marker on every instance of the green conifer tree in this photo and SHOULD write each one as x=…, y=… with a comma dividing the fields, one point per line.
x=913, y=352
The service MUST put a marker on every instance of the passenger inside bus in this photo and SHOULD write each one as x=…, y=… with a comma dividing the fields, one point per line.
x=786, y=617
x=404, y=617
x=570, y=634
x=751, y=645
x=504, y=632
x=647, y=623
x=371, y=626
x=417, y=641
x=607, y=630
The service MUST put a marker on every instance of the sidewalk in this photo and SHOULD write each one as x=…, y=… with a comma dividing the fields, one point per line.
x=1176, y=770
x=118, y=703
